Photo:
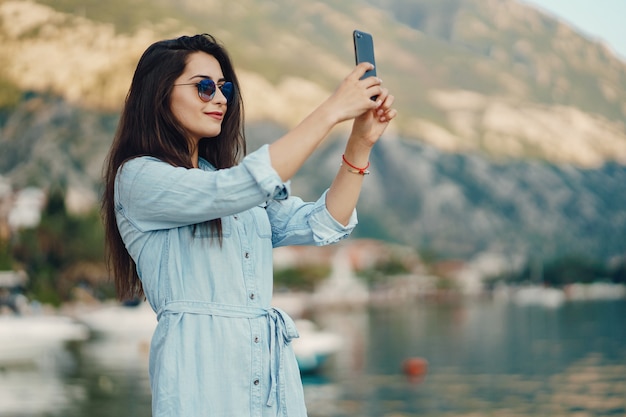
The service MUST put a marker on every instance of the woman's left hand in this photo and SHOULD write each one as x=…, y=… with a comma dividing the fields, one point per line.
x=366, y=130
x=368, y=127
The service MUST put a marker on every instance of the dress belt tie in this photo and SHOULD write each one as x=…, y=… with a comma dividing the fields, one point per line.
x=282, y=331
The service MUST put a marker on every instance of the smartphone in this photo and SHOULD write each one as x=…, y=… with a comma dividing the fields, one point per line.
x=364, y=50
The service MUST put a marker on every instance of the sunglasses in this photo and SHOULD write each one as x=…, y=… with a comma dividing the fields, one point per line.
x=207, y=89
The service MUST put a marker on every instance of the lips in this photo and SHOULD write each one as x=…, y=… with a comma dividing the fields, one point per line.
x=216, y=115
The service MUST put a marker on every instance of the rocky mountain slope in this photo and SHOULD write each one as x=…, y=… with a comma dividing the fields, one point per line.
x=492, y=75
x=511, y=133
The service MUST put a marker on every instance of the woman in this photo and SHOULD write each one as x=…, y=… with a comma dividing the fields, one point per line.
x=190, y=224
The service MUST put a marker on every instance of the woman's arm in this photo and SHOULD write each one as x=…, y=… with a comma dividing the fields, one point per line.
x=366, y=130
x=156, y=195
x=350, y=100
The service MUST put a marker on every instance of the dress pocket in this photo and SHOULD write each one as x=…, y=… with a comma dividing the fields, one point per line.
x=261, y=222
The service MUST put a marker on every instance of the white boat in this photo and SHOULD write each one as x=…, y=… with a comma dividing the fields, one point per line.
x=132, y=327
x=539, y=295
x=121, y=321
x=28, y=339
x=122, y=334
x=596, y=291
x=314, y=346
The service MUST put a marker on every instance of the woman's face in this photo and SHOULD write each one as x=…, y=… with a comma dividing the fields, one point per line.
x=200, y=119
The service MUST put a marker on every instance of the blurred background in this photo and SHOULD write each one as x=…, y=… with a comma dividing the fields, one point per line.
x=487, y=275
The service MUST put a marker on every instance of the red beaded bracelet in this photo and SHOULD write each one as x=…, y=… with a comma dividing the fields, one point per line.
x=355, y=169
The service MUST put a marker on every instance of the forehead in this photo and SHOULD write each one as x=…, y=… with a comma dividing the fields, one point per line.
x=201, y=63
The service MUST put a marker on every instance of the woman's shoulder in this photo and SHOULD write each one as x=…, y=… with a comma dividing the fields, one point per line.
x=142, y=164
x=138, y=162
x=142, y=160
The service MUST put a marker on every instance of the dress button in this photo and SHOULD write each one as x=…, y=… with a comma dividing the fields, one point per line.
x=247, y=255
x=236, y=217
x=256, y=382
x=256, y=339
x=252, y=296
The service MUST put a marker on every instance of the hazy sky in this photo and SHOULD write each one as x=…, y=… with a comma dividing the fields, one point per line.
x=603, y=20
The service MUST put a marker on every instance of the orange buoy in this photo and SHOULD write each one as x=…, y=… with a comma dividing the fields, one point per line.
x=415, y=367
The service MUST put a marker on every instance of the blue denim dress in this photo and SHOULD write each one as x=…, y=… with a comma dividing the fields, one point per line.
x=219, y=348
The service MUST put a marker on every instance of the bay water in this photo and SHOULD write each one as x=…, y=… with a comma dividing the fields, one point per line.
x=479, y=358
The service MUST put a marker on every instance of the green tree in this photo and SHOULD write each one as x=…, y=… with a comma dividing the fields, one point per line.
x=571, y=269
x=301, y=278
x=382, y=270
x=618, y=273
x=6, y=259
x=51, y=252
x=560, y=271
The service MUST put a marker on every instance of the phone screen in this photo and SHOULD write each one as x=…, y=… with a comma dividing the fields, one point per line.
x=364, y=50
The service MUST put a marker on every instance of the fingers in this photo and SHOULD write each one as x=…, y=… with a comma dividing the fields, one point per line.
x=386, y=116
x=384, y=111
x=373, y=88
x=383, y=105
x=360, y=70
x=381, y=97
x=368, y=87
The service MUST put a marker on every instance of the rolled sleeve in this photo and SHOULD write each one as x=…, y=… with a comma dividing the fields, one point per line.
x=260, y=168
x=153, y=194
x=295, y=222
x=327, y=230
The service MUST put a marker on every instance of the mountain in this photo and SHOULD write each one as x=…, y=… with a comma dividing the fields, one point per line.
x=511, y=132
x=492, y=75
x=463, y=204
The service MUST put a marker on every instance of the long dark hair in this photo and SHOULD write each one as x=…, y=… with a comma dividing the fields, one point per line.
x=148, y=127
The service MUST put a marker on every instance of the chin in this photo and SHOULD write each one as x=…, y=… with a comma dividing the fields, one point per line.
x=213, y=134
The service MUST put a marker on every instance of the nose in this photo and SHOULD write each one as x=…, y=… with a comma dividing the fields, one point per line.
x=219, y=97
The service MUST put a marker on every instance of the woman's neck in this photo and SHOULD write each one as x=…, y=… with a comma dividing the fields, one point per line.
x=193, y=150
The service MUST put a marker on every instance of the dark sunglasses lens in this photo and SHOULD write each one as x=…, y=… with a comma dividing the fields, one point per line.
x=206, y=89
x=228, y=89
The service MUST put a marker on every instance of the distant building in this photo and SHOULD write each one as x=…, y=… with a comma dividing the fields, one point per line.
x=12, y=279
x=27, y=208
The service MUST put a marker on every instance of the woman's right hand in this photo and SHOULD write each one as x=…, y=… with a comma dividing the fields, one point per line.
x=349, y=101
x=353, y=96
